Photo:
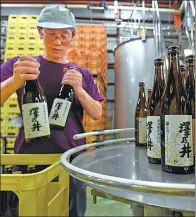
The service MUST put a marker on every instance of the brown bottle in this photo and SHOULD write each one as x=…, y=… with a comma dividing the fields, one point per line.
x=153, y=118
x=35, y=112
x=140, y=117
x=176, y=147
x=190, y=88
x=148, y=103
x=183, y=74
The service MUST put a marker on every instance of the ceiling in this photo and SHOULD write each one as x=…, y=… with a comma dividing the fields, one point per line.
x=148, y=3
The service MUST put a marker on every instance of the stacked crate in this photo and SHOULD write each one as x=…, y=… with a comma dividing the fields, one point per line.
x=22, y=37
x=90, y=44
x=3, y=38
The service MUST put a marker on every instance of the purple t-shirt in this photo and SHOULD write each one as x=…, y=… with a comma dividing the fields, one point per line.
x=50, y=78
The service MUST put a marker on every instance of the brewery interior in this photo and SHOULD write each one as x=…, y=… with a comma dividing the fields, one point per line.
x=117, y=41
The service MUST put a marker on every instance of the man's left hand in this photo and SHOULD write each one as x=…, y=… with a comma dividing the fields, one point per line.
x=74, y=79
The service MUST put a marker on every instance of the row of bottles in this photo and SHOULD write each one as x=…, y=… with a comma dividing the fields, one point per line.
x=36, y=120
x=166, y=123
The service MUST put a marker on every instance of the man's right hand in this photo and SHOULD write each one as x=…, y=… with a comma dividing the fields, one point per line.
x=26, y=68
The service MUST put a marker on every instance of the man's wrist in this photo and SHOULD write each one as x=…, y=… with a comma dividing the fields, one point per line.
x=80, y=93
x=14, y=83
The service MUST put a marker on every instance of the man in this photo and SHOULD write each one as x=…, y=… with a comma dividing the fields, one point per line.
x=56, y=26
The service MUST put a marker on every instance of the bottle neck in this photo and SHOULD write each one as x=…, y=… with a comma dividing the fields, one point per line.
x=142, y=97
x=159, y=76
x=174, y=66
x=190, y=73
x=141, y=90
x=174, y=76
x=175, y=91
x=65, y=90
x=149, y=95
x=32, y=84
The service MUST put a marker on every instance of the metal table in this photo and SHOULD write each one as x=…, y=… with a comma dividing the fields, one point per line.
x=121, y=169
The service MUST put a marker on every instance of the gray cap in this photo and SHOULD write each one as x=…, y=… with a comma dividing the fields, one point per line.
x=56, y=17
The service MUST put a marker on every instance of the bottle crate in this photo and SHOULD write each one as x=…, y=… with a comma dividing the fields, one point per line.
x=13, y=21
x=47, y=198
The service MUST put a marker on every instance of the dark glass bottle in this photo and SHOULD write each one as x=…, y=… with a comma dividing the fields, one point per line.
x=183, y=74
x=148, y=103
x=31, y=169
x=190, y=88
x=61, y=107
x=35, y=112
x=153, y=118
x=140, y=117
x=176, y=147
x=8, y=169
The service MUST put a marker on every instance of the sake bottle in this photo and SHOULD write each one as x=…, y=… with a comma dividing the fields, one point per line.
x=140, y=117
x=190, y=88
x=35, y=112
x=61, y=107
x=148, y=100
x=153, y=118
x=176, y=124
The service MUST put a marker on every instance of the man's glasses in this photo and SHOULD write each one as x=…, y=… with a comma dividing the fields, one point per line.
x=64, y=38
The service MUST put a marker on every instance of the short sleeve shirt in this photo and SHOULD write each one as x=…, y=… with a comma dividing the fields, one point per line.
x=50, y=78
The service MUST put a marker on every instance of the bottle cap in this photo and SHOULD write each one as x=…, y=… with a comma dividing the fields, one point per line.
x=149, y=89
x=8, y=167
x=31, y=167
x=174, y=49
x=17, y=172
x=190, y=58
x=141, y=84
x=183, y=67
x=159, y=61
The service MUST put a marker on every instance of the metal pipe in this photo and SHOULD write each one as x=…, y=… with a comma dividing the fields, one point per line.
x=81, y=6
x=104, y=132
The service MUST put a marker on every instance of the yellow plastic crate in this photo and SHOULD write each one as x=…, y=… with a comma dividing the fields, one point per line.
x=9, y=145
x=12, y=32
x=13, y=21
x=38, y=196
x=23, y=21
x=4, y=126
x=12, y=131
x=9, y=54
x=32, y=52
x=33, y=20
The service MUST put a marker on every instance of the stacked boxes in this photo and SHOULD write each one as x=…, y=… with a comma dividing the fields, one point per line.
x=3, y=38
x=22, y=36
x=90, y=45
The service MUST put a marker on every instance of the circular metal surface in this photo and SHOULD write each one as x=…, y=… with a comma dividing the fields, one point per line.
x=123, y=170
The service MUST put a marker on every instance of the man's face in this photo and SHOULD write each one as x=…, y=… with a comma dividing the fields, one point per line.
x=56, y=42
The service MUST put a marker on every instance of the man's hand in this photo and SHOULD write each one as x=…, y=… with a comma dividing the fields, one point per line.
x=74, y=79
x=26, y=68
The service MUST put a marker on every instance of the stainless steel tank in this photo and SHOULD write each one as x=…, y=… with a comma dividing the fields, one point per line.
x=134, y=62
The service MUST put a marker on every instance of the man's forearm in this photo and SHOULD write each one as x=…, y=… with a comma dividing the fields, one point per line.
x=8, y=87
x=92, y=107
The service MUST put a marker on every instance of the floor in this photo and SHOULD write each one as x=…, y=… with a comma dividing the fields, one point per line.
x=106, y=207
